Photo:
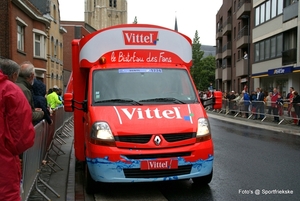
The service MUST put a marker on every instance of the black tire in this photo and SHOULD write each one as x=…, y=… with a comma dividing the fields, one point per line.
x=203, y=180
x=91, y=186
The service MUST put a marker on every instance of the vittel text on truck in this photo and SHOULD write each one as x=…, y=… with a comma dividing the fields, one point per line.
x=137, y=113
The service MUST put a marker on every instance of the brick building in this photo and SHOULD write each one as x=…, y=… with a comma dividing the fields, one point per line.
x=23, y=34
x=75, y=30
x=54, y=43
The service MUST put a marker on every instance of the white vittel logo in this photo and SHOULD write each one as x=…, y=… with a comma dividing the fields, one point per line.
x=150, y=114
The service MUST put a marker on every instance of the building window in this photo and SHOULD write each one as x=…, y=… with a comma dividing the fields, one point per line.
x=279, y=45
x=21, y=25
x=268, y=10
x=256, y=47
x=289, y=53
x=269, y=48
x=54, y=13
x=261, y=50
x=39, y=43
x=55, y=49
x=280, y=7
x=52, y=46
x=273, y=8
x=273, y=47
x=20, y=37
x=257, y=12
x=61, y=51
x=113, y=3
x=262, y=13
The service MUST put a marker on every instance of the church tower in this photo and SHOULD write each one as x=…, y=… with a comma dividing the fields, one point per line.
x=105, y=13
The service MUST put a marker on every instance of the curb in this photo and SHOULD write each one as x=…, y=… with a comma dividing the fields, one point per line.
x=294, y=130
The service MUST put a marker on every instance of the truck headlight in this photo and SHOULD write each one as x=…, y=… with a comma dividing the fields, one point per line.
x=203, y=130
x=101, y=134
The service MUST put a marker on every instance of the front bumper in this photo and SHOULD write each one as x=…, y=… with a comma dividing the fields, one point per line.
x=114, y=166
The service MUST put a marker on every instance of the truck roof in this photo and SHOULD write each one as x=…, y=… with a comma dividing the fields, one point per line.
x=135, y=43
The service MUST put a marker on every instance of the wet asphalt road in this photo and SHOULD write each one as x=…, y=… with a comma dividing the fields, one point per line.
x=250, y=164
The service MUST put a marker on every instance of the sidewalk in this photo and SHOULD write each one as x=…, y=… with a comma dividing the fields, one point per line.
x=60, y=177
x=268, y=124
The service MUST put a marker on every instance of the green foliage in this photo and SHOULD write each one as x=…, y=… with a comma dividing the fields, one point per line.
x=203, y=69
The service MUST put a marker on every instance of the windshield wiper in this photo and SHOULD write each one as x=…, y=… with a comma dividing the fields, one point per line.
x=119, y=100
x=174, y=100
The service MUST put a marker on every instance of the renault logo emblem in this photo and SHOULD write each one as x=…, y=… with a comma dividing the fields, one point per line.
x=157, y=140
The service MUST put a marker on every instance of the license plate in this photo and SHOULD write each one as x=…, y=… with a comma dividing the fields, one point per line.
x=159, y=164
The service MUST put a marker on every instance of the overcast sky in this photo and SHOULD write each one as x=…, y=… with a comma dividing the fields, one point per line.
x=191, y=15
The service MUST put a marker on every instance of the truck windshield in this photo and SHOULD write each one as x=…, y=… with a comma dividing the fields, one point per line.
x=142, y=86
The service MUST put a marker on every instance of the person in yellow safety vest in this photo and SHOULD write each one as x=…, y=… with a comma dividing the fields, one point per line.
x=53, y=100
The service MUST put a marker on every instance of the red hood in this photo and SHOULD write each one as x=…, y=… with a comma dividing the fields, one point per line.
x=2, y=76
x=124, y=120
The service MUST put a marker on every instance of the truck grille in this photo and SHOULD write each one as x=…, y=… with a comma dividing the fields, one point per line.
x=143, y=139
x=137, y=173
x=178, y=137
x=151, y=156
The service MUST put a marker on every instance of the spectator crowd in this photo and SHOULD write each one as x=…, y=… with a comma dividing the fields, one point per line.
x=23, y=104
x=261, y=103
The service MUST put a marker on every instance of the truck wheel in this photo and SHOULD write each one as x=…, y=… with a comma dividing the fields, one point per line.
x=203, y=180
x=90, y=184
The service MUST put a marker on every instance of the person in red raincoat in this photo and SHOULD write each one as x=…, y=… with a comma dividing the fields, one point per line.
x=16, y=131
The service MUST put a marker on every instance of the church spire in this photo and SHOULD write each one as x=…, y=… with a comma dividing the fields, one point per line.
x=176, y=27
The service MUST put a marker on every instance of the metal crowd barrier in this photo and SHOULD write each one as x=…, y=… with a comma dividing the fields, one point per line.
x=38, y=155
x=239, y=109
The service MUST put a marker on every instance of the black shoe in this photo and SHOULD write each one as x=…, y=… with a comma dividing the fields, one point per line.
x=254, y=118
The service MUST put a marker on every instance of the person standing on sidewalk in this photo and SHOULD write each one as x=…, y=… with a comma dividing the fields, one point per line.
x=246, y=99
x=296, y=104
x=293, y=111
x=289, y=99
x=39, y=99
x=274, y=104
x=17, y=132
x=25, y=82
x=268, y=102
x=53, y=99
x=260, y=104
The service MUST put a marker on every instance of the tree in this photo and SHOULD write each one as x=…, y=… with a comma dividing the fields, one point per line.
x=203, y=69
x=207, y=72
x=197, y=55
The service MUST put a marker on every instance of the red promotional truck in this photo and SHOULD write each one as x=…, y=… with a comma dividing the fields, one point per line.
x=137, y=114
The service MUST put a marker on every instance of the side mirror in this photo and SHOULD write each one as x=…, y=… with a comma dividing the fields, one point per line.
x=68, y=102
x=218, y=100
